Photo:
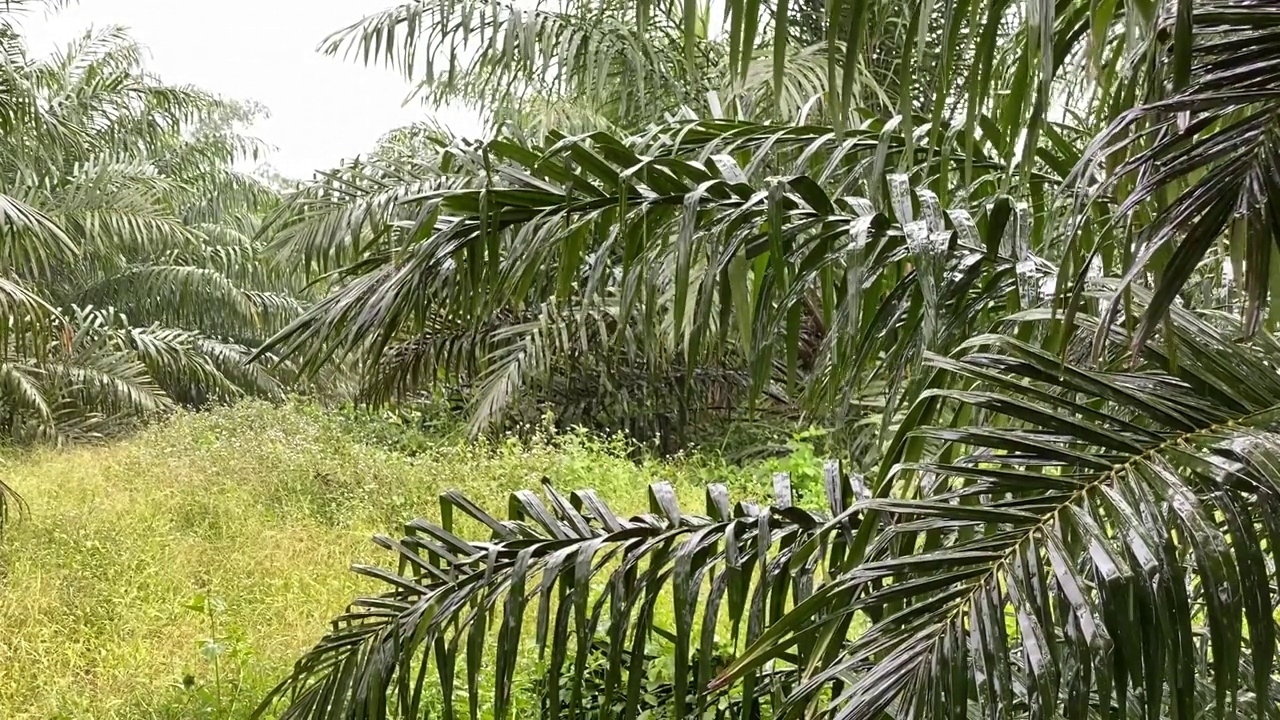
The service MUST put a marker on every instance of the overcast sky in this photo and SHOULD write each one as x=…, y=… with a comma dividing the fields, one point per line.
x=323, y=109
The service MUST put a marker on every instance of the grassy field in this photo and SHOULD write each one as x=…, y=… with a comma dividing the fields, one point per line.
x=177, y=574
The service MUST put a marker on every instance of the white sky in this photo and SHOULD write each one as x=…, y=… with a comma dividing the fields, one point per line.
x=322, y=108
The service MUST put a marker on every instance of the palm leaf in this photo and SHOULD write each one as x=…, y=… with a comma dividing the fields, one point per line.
x=685, y=239
x=11, y=505
x=31, y=240
x=1113, y=515
x=497, y=55
x=587, y=571
x=1202, y=166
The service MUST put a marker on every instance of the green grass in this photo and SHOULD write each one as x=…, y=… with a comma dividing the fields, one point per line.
x=260, y=508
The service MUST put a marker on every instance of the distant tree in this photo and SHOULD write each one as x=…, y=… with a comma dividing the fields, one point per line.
x=130, y=278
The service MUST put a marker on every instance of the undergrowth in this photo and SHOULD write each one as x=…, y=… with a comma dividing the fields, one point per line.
x=177, y=573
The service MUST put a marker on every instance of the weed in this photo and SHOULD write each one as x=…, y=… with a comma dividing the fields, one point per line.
x=216, y=691
x=805, y=466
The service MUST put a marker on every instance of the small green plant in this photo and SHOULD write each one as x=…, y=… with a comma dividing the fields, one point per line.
x=803, y=462
x=221, y=651
x=410, y=429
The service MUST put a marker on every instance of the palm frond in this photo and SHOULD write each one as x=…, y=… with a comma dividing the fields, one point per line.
x=1201, y=167
x=11, y=506
x=31, y=239
x=177, y=295
x=1122, y=512
x=234, y=363
x=587, y=572
x=333, y=221
x=498, y=55
x=696, y=258
x=24, y=394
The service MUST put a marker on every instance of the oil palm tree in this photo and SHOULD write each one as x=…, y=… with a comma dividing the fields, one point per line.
x=1072, y=405
x=132, y=275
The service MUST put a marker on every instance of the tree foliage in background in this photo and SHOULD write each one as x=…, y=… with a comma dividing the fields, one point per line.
x=131, y=276
x=1017, y=255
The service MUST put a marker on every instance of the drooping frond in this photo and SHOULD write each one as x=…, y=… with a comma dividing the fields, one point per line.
x=30, y=239
x=178, y=295
x=175, y=360
x=114, y=382
x=234, y=363
x=95, y=366
x=26, y=319
x=332, y=221
x=1142, y=494
x=1202, y=166
x=696, y=257
x=11, y=505
x=23, y=393
x=589, y=574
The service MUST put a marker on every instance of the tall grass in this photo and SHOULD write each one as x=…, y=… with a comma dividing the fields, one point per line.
x=178, y=573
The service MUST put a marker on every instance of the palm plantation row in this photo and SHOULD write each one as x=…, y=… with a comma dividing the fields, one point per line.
x=131, y=277
x=1017, y=256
